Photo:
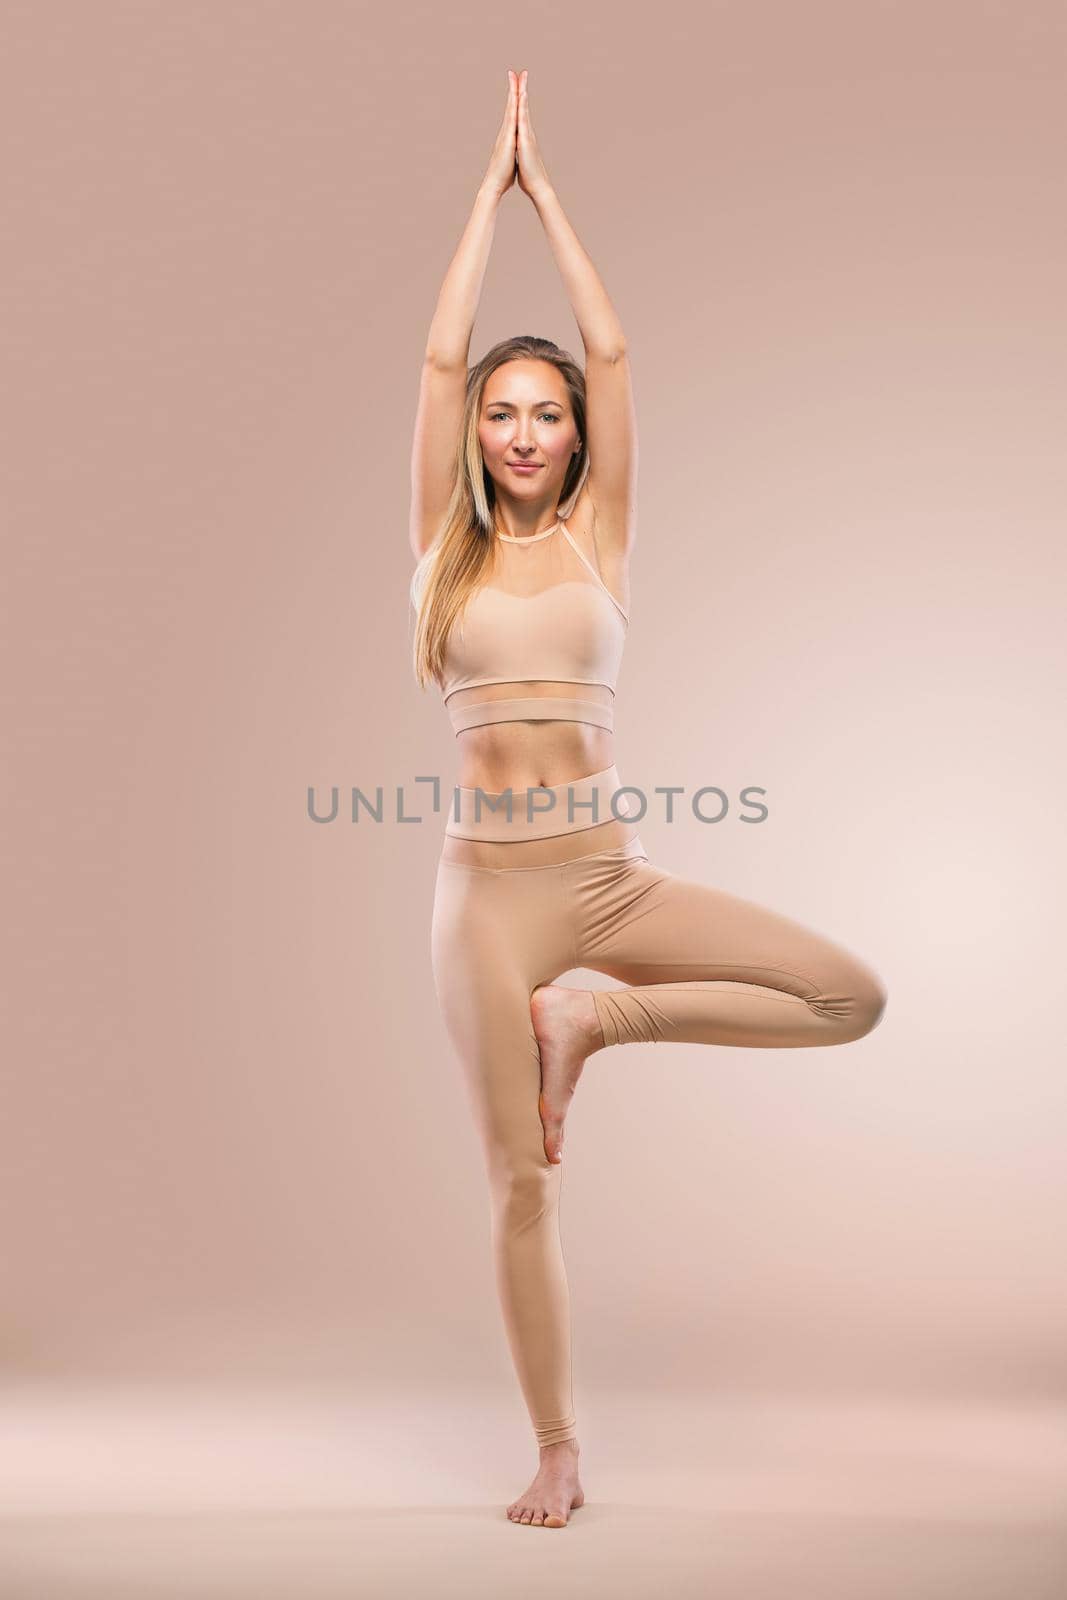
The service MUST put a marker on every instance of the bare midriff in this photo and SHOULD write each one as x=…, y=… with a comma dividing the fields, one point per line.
x=533, y=754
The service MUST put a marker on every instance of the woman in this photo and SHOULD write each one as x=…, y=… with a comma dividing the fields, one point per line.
x=523, y=482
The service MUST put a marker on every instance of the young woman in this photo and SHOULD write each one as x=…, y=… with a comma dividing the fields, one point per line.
x=523, y=480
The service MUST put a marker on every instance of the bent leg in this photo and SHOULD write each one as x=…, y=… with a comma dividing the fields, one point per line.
x=708, y=967
x=495, y=935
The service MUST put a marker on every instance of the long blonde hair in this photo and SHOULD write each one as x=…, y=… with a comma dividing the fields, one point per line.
x=455, y=563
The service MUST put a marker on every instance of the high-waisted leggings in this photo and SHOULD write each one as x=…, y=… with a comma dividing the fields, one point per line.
x=703, y=967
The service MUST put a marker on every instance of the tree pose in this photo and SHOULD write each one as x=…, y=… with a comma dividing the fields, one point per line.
x=523, y=523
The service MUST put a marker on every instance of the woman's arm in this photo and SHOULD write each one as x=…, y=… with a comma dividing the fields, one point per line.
x=611, y=421
x=443, y=387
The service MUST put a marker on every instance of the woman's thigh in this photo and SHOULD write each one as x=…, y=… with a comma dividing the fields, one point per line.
x=495, y=937
x=644, y=925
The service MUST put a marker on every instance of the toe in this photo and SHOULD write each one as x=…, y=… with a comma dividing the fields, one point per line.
x=555, y=1519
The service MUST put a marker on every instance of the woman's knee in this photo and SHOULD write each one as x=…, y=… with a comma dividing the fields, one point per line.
x=868, y=1003
x=526, y=1187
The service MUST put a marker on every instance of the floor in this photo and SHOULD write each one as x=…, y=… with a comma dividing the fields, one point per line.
x=141, y=1494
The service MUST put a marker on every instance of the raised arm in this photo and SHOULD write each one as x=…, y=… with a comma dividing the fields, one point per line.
x=611, y=422
x=443, y=386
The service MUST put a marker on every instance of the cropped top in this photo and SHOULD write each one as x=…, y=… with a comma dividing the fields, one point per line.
x=545, y=619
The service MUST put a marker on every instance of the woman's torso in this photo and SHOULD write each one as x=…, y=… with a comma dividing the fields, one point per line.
x=561, y=606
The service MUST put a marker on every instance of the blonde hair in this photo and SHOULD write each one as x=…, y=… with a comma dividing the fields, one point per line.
x=454, y=565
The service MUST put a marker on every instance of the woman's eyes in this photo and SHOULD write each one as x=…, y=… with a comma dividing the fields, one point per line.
x=495, y=416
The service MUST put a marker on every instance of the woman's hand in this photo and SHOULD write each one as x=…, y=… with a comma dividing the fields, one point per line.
x=500, y=173
x=532, y=175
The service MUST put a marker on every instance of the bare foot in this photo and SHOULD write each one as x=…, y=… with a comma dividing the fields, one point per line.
x=568, y=1030
x=555, y=1492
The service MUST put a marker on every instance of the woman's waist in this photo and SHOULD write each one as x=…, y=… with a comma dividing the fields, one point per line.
x=523, y=811
x=531, y=754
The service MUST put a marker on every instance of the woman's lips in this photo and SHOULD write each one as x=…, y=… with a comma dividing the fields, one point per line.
x=521, y=466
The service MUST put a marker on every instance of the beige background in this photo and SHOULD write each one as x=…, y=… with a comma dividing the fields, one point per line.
x=236, y=1149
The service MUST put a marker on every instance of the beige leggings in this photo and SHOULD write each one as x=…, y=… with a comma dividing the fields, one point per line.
x=705, y=968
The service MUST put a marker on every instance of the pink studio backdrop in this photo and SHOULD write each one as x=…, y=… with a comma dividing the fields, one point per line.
x=236, y=1140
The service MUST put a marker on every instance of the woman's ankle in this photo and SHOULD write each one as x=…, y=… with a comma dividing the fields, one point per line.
x=570, y=1445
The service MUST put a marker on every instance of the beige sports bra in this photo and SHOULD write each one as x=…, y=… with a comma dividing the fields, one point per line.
x=544, y=618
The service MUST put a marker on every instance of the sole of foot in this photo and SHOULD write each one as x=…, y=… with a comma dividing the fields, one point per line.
x=567, y=1030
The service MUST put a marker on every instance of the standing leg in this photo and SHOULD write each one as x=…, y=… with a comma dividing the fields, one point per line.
x=495, y=936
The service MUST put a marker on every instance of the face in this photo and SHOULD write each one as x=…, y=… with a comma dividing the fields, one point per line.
x=526, y=416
